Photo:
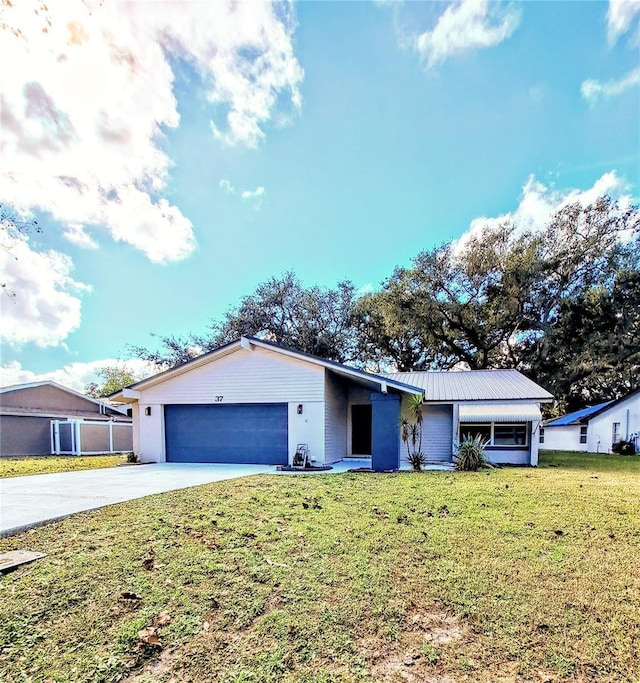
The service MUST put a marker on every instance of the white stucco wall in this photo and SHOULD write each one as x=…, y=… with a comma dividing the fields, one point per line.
x=562, y=438
x=599, y=433
x=534, y=442
x=508, y=456
x=308, y=428
x=150, y=430
x=135, y=416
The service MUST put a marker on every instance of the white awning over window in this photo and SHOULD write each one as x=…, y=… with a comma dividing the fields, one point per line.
x=499, y=412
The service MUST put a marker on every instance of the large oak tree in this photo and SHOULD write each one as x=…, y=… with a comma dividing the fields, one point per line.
x=314, y=320
x=561, y=303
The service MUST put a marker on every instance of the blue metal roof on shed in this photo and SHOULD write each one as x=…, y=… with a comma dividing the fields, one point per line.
x=577, y=416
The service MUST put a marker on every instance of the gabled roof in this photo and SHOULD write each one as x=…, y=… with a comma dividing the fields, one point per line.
x=474, y=385
x=635, y=392
x=583, y=416
x=42, y=383
x=578, y=416
x=384, y=383
x=34, y=385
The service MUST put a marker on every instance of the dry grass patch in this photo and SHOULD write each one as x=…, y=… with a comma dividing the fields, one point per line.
x=415, y=655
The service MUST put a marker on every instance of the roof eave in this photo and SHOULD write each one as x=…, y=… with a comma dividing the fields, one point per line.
x=247, y=343
x=175, y=371
x=102, y=401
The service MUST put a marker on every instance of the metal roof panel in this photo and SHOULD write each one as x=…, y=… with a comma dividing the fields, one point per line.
x=577, y=416
x=474, y=385
x=499, y=412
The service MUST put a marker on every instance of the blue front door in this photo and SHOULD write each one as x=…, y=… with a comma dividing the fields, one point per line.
x=255, y=433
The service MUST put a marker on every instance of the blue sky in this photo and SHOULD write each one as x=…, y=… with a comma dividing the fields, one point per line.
x=334, y=139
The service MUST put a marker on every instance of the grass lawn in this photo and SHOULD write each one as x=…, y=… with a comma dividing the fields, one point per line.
x=500, y=576
x=46, y=464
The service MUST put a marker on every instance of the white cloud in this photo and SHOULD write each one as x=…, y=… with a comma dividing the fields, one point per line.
x=40, y=301
x=538, y=202
x=367, y=288
x=594, y=91
x=74, y=375
x=253, y=194
x=253, y=197
x=90, y=90
x=620, y=17
x=464, y=26
x=226, y=186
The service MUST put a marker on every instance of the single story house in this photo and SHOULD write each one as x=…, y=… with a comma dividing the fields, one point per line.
x=595, y=429
x=41, y=418
x=252, y=401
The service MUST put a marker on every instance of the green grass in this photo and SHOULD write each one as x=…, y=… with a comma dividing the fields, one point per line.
x=587, y=461
x=505, y=575
x=46, y=464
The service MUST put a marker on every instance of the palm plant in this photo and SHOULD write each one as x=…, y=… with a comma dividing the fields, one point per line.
x=470, y=456
x=411, y=432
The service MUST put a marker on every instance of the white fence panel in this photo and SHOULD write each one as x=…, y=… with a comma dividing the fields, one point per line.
x=90, y=437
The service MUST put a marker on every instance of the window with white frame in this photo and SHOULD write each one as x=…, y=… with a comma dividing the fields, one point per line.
x=583, y=434
x=541, y=434
x=496, y=433
x=615, y=432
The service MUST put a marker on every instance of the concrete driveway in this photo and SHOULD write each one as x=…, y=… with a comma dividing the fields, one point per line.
x=26, y=502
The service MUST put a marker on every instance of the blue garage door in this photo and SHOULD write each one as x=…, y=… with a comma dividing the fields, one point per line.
x=254, y=433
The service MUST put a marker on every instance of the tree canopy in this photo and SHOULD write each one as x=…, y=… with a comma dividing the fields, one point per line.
x=113, y=378
x=310, y=319
x=560, y=303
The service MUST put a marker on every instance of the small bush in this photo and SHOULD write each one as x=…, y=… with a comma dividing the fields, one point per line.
x=624, y=447
x=132, y=457
x=417, y=460
x=470, y=456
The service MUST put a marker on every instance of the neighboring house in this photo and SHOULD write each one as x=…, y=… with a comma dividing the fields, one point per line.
x=597, y=428
x=568, y=432
x=41, y=418
x=252, y=401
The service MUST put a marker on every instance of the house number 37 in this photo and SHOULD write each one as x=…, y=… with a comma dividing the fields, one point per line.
x=218, y=399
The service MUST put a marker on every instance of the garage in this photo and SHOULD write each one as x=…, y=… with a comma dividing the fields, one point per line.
x=253, y=433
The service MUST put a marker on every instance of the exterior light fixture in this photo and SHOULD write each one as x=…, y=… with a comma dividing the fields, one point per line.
x=147, y=410
x=299, y=409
